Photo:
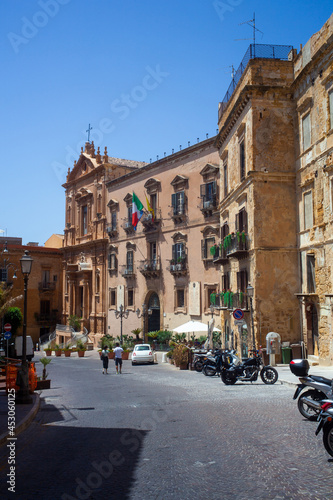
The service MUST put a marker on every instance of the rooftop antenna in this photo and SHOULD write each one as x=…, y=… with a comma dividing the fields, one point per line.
x=252, y=23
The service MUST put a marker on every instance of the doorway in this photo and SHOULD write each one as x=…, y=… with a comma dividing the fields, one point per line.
x=154, y=323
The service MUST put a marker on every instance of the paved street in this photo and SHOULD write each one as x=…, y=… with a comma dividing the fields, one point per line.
x=155, y=432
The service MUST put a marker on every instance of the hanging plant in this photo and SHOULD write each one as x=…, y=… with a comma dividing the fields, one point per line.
x=241, y=297
x=213, y=250
x=238, y=236
x=213, y=298
x=243, y=237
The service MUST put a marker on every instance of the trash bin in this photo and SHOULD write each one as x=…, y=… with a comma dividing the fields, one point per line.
x=296, y=351
x=265, y=357
x=286, y=355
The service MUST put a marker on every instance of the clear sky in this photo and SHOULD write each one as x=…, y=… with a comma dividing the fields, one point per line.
x=147, y=75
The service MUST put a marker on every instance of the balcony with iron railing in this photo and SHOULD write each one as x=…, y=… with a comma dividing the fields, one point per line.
x=178, y=267
x=128, y=271
x=47, y=286
x=112, y=230
x=230, y=300
x=208, y=205
x=236, y=245
x=178, y=213
x=254, y=51
x=128, y=227
x=151, y=221
x=220, y=254
x=150, y=268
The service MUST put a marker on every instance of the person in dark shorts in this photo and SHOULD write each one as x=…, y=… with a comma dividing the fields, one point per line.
x=105, y=359
x=118, y=351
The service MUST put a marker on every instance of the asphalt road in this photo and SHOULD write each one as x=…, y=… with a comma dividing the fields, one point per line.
x=155, y=432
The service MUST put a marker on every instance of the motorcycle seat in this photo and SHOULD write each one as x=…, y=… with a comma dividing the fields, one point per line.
x=321, y=380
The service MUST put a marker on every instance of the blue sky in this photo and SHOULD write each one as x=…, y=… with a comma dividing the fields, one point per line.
x=146, y=75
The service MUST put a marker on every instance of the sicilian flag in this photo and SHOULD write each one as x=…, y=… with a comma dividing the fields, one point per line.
x=150, y=209
x=137, y=210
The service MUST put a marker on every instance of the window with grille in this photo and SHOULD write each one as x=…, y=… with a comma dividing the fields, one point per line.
x=130, y=297
x=129, y=261
x=113, y=221
x=3, y=275
x=112, y=297
x=178, y=252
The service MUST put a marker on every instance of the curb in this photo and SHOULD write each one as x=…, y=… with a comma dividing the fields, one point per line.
x=25, y=422
x=286, y=382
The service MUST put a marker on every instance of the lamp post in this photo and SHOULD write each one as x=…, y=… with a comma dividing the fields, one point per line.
x=23, y=395
x=121, y=313
x=5, y=265
x=250, y=292
x=144, y=313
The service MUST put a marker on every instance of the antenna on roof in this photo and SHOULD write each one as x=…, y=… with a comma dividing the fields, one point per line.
x=252, y=23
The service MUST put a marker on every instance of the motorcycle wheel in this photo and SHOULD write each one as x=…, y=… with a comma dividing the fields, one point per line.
x=304, y=409
x=269, y=375
x=328, y=437
x=228, y=378
x=198, y=365
x=208, y=371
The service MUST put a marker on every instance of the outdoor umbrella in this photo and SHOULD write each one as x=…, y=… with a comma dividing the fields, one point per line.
x=193, y=326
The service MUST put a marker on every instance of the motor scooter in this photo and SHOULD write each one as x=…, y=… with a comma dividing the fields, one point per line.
x=325, y=419
x=319, y=388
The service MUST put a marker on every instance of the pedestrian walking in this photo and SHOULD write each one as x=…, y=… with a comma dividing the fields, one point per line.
x=118, y=351
x=105, y=359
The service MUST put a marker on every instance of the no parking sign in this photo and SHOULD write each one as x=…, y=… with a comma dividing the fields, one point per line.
x=238, y=314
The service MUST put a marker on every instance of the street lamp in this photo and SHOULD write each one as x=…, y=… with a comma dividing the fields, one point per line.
x=250, y=292
x=6, y=265
x=143, y=314
x=121, y=314
x=23, y=395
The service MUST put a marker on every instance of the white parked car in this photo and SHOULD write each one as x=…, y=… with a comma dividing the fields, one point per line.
x=142, y=353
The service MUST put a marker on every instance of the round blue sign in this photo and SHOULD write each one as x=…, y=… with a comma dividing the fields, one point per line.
x=238, y=314
x=7, y=335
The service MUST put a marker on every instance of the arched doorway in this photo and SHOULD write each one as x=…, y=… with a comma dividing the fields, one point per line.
x=154, y=313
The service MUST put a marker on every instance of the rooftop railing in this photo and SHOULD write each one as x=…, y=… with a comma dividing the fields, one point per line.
x=255, y=51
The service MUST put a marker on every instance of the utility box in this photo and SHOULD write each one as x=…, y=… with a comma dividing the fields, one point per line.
x=297, y=351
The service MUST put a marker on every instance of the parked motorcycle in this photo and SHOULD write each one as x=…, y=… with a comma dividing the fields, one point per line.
x=325, y=419
x=247, y=371
x=199, y=359
x=319, y=388
x=214, y=363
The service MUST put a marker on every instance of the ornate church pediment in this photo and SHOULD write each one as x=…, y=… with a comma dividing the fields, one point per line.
x=180, y=182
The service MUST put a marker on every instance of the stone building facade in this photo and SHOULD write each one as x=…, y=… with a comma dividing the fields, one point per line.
x=85, y=240
x=257, y=211
x=313, y=96
x=44, y=298
x=166, y=265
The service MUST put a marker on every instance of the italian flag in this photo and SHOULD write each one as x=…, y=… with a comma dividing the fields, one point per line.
x=137, y=210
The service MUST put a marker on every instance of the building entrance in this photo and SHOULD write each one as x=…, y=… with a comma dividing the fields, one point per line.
x=154, y=317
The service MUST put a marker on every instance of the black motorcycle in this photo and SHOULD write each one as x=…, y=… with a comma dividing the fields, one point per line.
x=247, y=371
x=199, y=359
x=213, y=364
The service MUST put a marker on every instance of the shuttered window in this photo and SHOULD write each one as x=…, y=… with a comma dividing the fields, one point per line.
x=331, y=108
x=242, y=280
x=306, y=127
x=178, y=203
x=206, y=245
x=311, y=273
x=308, y=210
x=241, y=221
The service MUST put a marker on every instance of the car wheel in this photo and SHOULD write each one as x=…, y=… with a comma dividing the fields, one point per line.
x=133, y=363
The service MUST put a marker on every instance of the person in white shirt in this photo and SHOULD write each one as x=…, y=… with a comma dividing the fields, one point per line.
x=118, y=357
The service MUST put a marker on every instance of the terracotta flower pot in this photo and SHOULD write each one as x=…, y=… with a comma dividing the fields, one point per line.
x=125, y=355
x=43, y=384
x=183, y=366
x=111, y=355
x=80, y=354
x=48, y=352
x=67, y=353
x=58, y=352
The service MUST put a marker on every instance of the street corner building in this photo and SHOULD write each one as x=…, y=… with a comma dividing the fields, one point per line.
x=252, y=205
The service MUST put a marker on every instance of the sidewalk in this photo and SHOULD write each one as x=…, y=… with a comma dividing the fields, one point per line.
x=24, y=414
x=286, y=377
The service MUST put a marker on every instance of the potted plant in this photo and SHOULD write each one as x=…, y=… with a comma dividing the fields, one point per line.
x=67, y=351
x=137, y=332
x=48, y=350
x=57, y=350
x=81, y=348
x=180, y=355
x=43, y=382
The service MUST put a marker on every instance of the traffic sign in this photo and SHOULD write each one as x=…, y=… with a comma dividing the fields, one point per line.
x=239, y=322
x=7, y=327
x=7, y=335
x=238, y=314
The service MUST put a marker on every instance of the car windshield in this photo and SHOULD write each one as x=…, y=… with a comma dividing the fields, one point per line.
x=143, y=348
